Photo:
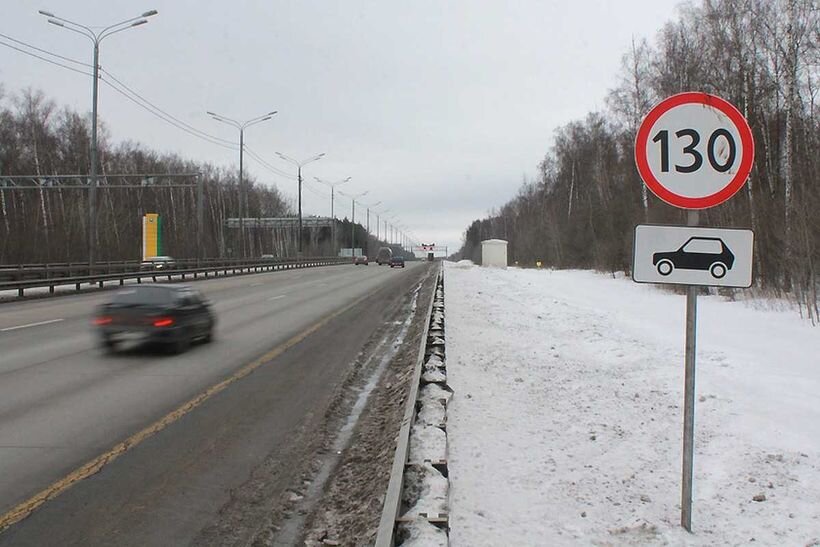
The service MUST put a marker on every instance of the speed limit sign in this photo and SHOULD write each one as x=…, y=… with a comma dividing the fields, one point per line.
x=694, y=150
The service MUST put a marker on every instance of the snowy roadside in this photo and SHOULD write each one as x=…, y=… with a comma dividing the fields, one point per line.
x=565, y=424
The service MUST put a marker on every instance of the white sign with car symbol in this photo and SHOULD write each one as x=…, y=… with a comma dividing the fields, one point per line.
x=686, y=255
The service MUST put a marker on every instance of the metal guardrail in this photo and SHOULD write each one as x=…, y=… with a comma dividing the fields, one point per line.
x=23, y=277
x=391, y=512
x=19, y=272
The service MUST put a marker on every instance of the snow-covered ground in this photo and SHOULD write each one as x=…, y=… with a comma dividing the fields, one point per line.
x=566, y=420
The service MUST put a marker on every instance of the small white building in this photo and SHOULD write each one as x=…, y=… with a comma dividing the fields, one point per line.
x=494, y=253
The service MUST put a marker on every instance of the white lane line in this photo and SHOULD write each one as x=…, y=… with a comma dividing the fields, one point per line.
x=256, y=284
x=277, y=297
x=31, y=325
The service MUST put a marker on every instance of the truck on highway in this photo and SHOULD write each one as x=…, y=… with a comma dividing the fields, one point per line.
x=384, y=256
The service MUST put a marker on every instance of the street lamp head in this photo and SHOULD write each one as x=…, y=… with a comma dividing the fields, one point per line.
x=46, y=13
x=271, y=113
x=150, y=13
x=56, y=22
x=138, y=23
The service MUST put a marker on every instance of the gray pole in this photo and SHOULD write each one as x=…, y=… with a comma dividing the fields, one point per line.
x=353, y=229
x=299, y=247
x=689, y=398
x=332, y=221
x=241, y=194
x=243, y=205
x=200, y=219
x=92, y=189
x=95, y=37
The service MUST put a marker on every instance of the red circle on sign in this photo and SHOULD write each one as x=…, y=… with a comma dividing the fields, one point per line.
x=686, y=202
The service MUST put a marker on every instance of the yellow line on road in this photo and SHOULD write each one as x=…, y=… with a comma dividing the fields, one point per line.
x=26, y=508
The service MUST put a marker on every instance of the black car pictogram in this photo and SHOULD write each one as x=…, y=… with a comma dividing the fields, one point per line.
x=698, y=253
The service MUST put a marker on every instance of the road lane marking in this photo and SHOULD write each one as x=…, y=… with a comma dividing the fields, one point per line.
x=277, y=297
x=39, y=323
x=256, y=284
x=26, y=508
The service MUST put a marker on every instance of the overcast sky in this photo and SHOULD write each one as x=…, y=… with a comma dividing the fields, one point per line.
x=437, y=108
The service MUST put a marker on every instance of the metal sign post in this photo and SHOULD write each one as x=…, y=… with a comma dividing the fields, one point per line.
x=694, y=151
x=689, y=397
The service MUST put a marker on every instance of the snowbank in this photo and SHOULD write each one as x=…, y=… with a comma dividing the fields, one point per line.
x=566, y=420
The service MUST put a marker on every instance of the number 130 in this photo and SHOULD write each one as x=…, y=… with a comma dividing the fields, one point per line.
x=662, y=137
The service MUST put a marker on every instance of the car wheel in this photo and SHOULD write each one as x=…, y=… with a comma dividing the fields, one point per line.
x=665, y=267
x=181, y=344
x=109, y=345
x=209, y=335
x=718, y=270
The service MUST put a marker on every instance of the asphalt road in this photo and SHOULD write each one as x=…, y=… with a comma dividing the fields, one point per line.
x=63, y=402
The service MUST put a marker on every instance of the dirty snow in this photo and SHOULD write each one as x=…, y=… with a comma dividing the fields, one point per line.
x=566, y=419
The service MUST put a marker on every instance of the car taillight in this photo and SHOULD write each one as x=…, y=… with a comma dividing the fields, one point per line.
x=163, y=322
x=102, y=320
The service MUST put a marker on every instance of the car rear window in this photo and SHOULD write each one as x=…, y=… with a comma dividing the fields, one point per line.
x=144, y=295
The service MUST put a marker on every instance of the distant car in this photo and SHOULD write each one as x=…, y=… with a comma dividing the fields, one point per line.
x=174, y=315
x=158, y=263
x=384, y=256
x=396, y=261
x=698, y=253
x=267, y=257
x=361, y=259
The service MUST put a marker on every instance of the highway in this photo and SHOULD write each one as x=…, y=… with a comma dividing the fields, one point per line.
x=284, y=342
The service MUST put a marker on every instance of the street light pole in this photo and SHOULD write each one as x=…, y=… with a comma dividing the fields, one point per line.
x=367, y=237
x=353, y=220
x=333, y=186
x=96, y=38
x=242, y=197
x=299, y=165
x=377, y=221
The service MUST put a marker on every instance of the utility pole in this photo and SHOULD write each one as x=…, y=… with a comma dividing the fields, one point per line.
x=377, y=221
x=299, y=165
x=367, y=237
x=242, y=197
x=353, y=220
x=333, y=186
x=96, y=38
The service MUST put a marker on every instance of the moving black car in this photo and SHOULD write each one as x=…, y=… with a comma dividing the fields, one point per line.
x=396, y=261
x=175, y=315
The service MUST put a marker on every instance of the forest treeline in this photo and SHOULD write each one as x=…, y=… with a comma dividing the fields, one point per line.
x=40, y=139
x=761, y=55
